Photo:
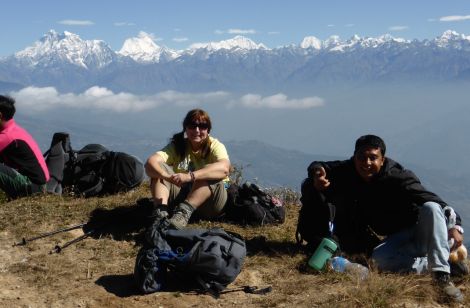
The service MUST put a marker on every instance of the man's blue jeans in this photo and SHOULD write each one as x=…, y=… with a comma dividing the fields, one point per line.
x=418, y=249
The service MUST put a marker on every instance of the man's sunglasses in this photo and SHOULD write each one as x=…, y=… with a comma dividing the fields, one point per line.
x=202, y=126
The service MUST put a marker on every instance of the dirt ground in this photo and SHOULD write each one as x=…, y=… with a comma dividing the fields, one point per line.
x=78, y=277
x=98, y=272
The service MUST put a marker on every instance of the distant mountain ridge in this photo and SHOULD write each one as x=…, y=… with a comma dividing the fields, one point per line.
x=69, y=63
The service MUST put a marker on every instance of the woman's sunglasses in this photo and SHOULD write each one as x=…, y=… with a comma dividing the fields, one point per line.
x=202, y=126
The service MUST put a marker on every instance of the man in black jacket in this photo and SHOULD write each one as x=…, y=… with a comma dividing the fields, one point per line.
x=374, y=195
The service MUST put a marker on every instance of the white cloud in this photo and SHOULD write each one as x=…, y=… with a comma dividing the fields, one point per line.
x=455, y=18
x=34, y=100
x=219, y=31
x=95, y=98
x=180, y=39
x=280, y=101
x=330, y=26
x=398, y=28
x=72, y=22
x=124, y=24
x=274, y=32
x=241, y=31
x=192, y=99
x=349, y=25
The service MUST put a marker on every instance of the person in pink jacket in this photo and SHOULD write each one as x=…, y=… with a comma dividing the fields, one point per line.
x=23, y=170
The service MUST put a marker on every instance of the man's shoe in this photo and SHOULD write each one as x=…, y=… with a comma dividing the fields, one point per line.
x=442, y=280
x=459, y=268
x=181, y=216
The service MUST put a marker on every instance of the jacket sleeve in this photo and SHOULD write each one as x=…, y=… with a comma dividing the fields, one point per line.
x=419, y=195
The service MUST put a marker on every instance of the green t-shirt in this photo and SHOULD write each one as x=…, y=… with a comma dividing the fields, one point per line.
x=193, y=161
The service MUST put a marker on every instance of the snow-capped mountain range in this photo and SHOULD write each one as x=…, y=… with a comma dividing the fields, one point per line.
x=143, y=48
x=70, y=63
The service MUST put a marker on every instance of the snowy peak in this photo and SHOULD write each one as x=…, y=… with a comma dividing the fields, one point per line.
x=237, y=43
x=451, y=35
x=67, y=47
x=144, y=49
x=452, y=39
x=335, y=44
x=311, y=42
x=375, y=42
x=332, y=42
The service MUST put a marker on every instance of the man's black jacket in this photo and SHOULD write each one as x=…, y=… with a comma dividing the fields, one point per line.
x=387, y=204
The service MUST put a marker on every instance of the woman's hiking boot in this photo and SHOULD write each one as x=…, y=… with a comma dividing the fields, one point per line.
x=446, y=286
x=181, y=215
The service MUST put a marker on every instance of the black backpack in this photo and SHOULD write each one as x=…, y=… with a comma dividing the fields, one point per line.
x=94, y=170
x=210, y=259
x=248, y=204
x=319, y=218
x=315, y=217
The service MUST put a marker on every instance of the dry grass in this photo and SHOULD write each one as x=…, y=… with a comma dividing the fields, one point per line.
x=98, y=272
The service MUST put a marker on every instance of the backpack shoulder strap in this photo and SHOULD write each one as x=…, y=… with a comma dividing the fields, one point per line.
x=93, y=190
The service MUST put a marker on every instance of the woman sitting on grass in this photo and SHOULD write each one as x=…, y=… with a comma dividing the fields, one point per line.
x=190, y=173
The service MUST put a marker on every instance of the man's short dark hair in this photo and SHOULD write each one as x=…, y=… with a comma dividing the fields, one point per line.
x=7, y=107
x=370, y=141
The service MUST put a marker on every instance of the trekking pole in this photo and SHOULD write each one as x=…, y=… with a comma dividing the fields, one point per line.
x=249, y=289
x=58, y=248
x=24, y=241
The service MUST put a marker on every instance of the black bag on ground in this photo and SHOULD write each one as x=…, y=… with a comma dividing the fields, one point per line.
x=248, y=204
x=94, y=170
x=209, y=258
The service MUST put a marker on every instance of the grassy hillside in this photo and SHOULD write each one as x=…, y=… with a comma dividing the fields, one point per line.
x=97, y=272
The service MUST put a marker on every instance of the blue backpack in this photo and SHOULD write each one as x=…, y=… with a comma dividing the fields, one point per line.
x=210, y=258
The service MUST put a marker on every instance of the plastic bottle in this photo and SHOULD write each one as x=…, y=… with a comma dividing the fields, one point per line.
x=322, y=254
x=342, y=265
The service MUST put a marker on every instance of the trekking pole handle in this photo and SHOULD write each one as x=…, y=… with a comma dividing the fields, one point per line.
x=24, y=241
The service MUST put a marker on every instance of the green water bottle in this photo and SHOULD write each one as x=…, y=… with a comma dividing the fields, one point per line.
x=322, y=254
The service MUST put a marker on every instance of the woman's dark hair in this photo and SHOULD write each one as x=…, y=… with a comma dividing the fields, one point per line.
x=7, y=107
x=195, y=115
x=370, y=141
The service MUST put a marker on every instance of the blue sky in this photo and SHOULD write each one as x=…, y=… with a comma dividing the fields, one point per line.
x=179, y=23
